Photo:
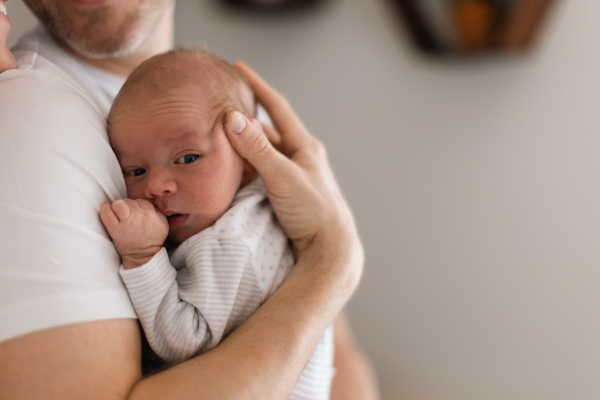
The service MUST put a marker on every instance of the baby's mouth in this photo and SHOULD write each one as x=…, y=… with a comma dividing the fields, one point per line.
x=3, y=7
x=177, y=219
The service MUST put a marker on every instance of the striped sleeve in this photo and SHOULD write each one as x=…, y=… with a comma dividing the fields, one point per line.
x=315, y=381
x=185, y=312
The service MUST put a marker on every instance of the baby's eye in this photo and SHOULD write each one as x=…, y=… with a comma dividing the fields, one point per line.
x=136, y=172
x=188, y=158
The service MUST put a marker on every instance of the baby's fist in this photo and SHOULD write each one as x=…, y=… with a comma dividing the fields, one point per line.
x=137, y=228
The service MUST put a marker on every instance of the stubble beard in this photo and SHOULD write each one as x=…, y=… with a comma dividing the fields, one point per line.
x=97, y=33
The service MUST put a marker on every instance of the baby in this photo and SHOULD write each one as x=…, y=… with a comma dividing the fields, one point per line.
x=188, y=186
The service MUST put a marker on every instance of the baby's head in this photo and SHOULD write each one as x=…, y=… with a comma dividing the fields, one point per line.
x=166, y=128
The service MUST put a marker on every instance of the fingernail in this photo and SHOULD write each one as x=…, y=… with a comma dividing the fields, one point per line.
x=237, y=123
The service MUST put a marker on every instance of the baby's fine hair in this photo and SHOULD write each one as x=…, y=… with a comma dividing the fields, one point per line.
x=177, y=68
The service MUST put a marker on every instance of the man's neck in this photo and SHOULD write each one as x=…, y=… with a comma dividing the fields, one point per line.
x=159, y=41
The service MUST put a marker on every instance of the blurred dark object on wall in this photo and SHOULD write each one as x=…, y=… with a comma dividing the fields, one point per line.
x=473, y=21
x=274, y=6
x=468, y=27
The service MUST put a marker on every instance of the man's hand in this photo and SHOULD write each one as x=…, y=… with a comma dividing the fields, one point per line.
x=137, y=228
x=300, y=184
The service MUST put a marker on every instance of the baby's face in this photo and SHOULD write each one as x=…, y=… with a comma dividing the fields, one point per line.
x=174, y=153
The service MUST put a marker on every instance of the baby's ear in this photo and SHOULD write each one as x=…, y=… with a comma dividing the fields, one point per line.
x=248, y=175
x=248, y=168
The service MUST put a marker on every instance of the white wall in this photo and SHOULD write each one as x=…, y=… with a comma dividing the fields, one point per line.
x=476, y=187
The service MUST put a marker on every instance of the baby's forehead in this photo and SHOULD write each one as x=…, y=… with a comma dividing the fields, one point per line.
x=210, y=82
x=207, y=89
x=206, y=79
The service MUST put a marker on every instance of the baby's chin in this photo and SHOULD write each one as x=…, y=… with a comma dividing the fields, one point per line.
x=179, y=234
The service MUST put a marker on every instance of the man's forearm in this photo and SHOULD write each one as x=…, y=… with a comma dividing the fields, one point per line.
x=354, y=379
x=91, y=360
x=264, y=357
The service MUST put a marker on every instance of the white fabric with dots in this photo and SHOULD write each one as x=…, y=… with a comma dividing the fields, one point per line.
x=214, y=281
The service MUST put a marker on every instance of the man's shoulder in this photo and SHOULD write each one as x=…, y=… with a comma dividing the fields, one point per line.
x=40, y=87
x=54, y=141
x=39, y=106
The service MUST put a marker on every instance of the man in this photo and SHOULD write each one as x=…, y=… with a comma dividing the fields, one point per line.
x=67, y=327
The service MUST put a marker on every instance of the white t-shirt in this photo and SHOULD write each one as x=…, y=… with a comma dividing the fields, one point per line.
x=58, y=265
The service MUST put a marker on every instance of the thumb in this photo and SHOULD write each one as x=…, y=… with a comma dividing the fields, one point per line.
x=251, y=143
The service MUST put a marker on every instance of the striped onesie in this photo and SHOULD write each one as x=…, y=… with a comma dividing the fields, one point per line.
x=191, y=300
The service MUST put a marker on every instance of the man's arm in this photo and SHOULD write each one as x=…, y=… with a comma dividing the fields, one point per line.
x=354, y=379
x=100, y=360
x=261, y=359
x=93, y=360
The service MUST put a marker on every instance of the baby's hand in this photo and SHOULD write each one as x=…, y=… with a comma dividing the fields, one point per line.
x=137, y=228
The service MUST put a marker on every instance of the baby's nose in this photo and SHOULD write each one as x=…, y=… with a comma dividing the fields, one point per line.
x=160, y=183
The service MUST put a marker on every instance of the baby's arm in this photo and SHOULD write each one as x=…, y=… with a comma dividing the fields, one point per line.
x=182, y=312
x=188, y=311
x=137, y=228
x=174, y=328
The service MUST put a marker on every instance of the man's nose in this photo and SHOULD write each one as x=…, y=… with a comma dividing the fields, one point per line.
x=160, y=183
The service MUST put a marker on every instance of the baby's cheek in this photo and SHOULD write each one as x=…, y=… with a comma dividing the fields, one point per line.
x=134, y=191
x=212, y=203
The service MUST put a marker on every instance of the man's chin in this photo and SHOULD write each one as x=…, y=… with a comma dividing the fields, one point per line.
x=102, y=53
x=103, y=33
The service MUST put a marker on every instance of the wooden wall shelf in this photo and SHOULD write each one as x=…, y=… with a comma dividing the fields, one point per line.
x=469, y=27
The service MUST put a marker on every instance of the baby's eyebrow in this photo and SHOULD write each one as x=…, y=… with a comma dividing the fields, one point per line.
x=222, y=101
x=184, y=136
x=121, y=155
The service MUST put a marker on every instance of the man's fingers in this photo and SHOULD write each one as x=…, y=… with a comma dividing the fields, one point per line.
x=294, y=134
x=121, y=209
x=267, y=96
x=252, y=144
x=108, y=217
x=272, y=134
x=256, y=123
